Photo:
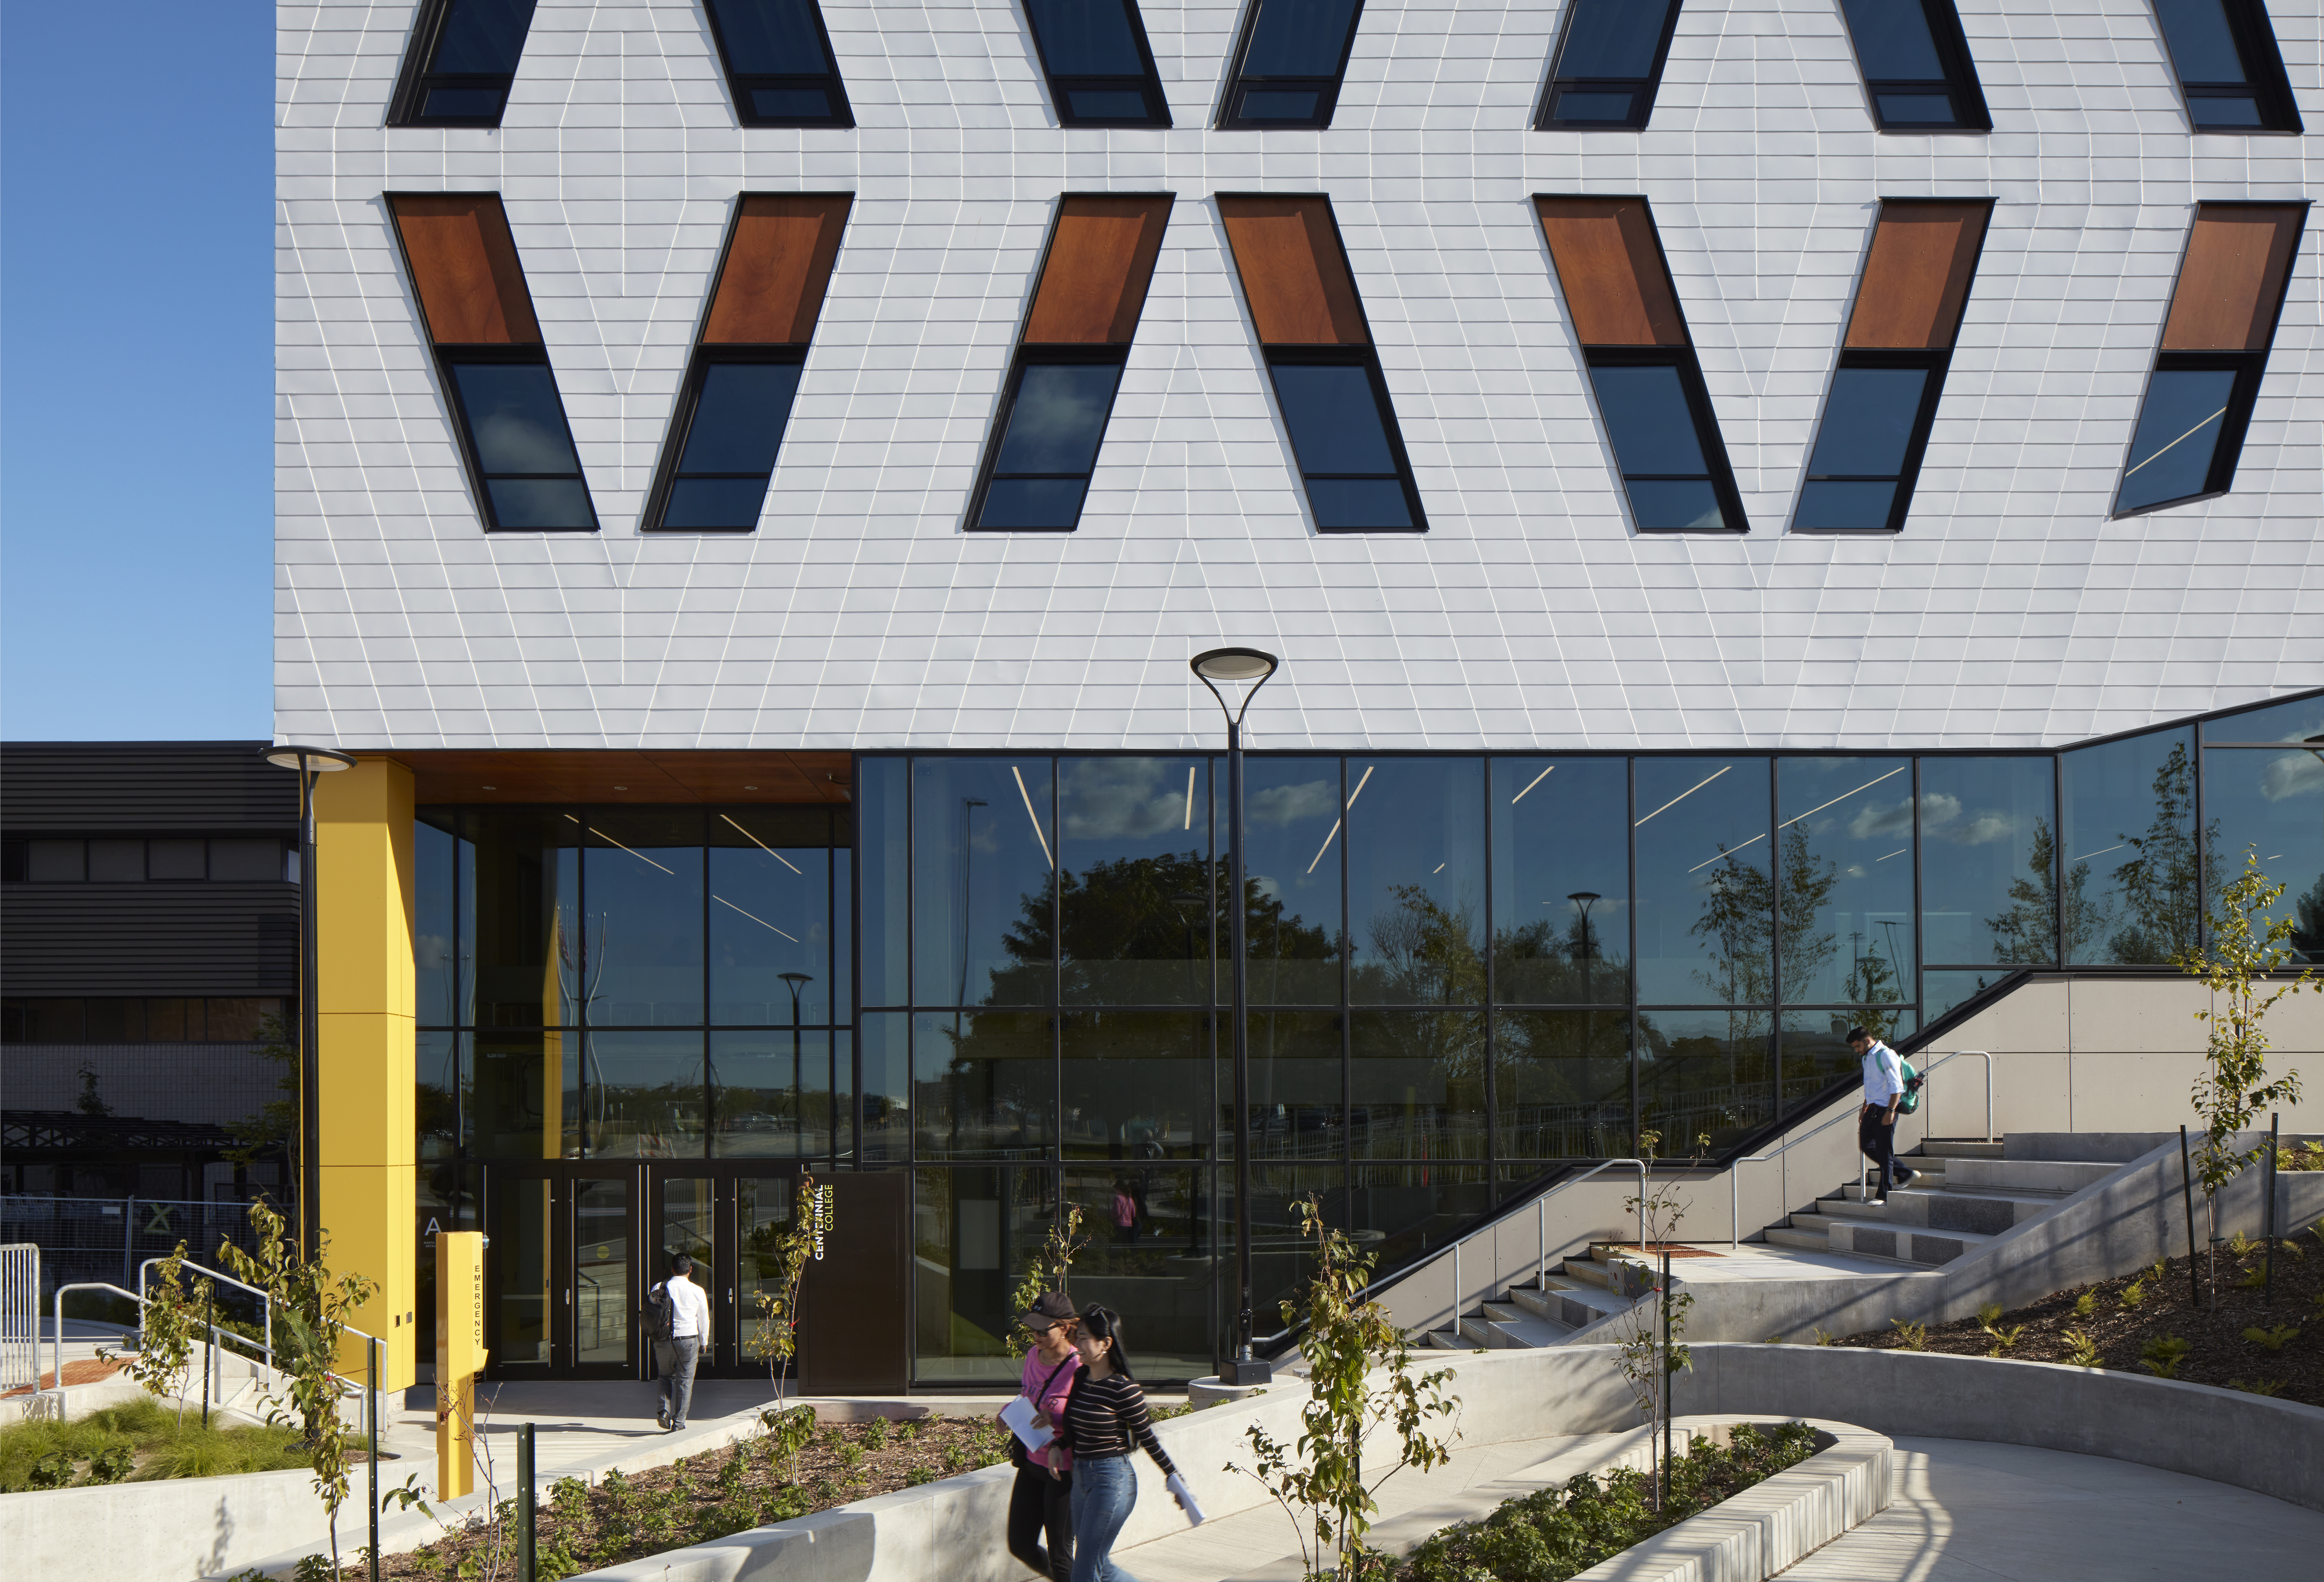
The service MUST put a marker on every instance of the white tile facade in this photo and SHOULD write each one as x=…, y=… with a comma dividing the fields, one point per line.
x=2010, y=611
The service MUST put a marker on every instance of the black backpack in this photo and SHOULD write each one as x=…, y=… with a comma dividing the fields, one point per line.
x=660, y=1314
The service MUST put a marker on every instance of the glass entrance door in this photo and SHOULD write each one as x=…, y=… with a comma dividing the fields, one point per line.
x=728, y=1221
x=562, y=1271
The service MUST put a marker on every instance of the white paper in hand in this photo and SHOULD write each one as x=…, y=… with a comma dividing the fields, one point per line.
x=1019, y=1415
x=1176, y=1484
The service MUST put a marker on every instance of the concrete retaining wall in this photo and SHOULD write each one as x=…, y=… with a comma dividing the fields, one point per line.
x=167, y=1530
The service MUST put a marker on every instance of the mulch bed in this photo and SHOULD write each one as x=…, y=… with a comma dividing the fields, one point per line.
x=2218, y=1353
x=84, y=1372
x=701, y=1498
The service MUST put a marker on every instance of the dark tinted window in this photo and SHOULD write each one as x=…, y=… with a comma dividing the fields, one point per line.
x=522, y=449
x=2178, y=437
x=2228, y=65
x=1608, y=63
x=1340, y=432
x=462, y=59
x=1917, y=65
x=1864, y=448
x=731, y=439
x=1099, y=67
x=1292, y=57
x=1659, y=448
x=779, y=63
x=1056, y=417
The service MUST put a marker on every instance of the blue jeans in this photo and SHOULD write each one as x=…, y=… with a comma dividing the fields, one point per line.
x=676, y=1359
x=1104, y=1492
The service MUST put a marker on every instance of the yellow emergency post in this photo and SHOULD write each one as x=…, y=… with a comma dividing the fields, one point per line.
x=460, y=1356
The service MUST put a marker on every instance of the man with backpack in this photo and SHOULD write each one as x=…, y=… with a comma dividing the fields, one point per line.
x=1883, y=1092
x=680, y=1328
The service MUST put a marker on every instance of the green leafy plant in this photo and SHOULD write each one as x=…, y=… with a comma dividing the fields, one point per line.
x=1648, y=1351
x=2233, y=1089
x=2307, y=1156
x=773, y=1340
x=53, y=1470
x=1915, y=1337
x=168, y=1326
x=1050, y=1267
x=1320, y=1482
x=2134, y=1294
x=2086, y=1305
x=311, y=1308
x=1822, y=1338
x=111, y=1464
x=2081, y=1351
x=2257, y=1386
x=2274, y=1339
x=875, y=1434
x=2160, y=1356
x=788, y=1434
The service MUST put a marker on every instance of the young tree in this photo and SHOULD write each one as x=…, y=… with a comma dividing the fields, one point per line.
x=166, y=1330
x=786, y=1255
x=2234, y=1089
x=1320, y=1482
x=1050, y=1268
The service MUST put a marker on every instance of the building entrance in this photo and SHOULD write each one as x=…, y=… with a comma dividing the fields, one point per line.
x=574, y=1247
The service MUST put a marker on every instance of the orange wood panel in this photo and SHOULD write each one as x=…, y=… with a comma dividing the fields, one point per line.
x=1100, y=262
x=2232, y=279
x=465, y=266
x=1616, y=286
x=777, y=268
x=1294, y=275
x=621, y=776
x=1916, y=279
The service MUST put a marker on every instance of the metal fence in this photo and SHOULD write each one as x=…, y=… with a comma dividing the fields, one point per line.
x=107, y=1238
x=20, y=1316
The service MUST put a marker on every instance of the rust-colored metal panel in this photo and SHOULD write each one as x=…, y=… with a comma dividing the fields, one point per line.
x=2231, y=282
x=1294, y=275
x=1100, y=262
x=777, y=268
x=1612, y=270
x=465, y=266
x=519, y=775
x=1916, y=280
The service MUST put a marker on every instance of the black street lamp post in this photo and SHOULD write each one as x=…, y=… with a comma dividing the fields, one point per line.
x=311, y=762
x=1211, y=667
x=1585, y=899
x=796, y=981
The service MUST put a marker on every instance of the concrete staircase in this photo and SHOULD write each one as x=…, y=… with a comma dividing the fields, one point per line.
x=1578, y=1292
x=1965, y=1194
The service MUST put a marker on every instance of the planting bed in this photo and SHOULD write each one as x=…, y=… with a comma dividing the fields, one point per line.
x=701, y=1498
x=135, y=1442
x=2130, y=1322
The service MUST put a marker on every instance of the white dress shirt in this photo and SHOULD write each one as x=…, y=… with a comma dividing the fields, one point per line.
x=1884, y=1075
x=689, y=1309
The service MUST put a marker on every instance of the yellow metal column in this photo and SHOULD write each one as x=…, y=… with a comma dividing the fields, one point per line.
x=460, y=1356
x=364, y=978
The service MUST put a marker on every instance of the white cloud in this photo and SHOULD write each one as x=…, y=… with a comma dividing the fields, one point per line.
x=2295, y=774
x=1985, y=827
x=1937, y=810
x=1130, y=798
x=1285, y=805
x=1883, y=819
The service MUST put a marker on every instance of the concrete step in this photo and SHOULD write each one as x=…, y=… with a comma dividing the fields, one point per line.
x=1847, y=1205
x=1588, y=1271
x=1568, y=1302
x=1960, y=1148
x=1815, y=1240
x=2032, y=1175
x=1988, y=1212
x=1906, y=1243
x=1450, y=1340
x=1502, y=1325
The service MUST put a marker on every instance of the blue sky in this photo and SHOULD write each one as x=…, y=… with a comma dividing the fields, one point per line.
x=136, y=350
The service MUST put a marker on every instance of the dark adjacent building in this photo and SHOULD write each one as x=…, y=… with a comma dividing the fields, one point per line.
x=149, y=925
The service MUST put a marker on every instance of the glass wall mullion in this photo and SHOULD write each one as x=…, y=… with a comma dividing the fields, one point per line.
x=1920, y=904
x=1630, y=820
x=1775, y=1044
x=1492, y=1050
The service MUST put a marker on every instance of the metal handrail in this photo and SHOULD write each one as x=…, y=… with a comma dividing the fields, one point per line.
x=1734, y=1167
x=265, y=1303
x=266, y=1354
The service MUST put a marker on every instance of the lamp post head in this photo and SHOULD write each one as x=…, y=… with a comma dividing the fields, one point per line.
x=2315, y=744
x=1584, y=898
x=796, y=979
x=321, y=759
x=1233, y=665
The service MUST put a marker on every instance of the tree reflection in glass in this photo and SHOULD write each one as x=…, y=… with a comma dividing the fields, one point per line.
x=2130, y=827
x=984, y=1084
x=1136, y=1085
x=1562, y=1084
x=1561, y=882
x=1990, y=881
x=1846, y=844
x=2271, y=805
x=1703, y=1074
x=1418, y=1081
x=1135, y=887
x=1415, y=881
x=1292, y=829
x=1705, y=885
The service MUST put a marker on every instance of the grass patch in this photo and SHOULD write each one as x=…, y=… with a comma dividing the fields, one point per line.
x=1551, y=1534
x=137, y=1440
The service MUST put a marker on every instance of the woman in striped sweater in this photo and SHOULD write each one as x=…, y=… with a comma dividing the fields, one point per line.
x=1105, y=1423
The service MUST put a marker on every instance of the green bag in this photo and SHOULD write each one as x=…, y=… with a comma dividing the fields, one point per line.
x=1911, y=1098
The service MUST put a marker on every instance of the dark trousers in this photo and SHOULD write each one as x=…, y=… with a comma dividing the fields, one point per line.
x=1039, y=1507
x=1877, y=1136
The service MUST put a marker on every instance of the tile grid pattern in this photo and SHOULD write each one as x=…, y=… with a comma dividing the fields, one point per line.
x=2010, y=612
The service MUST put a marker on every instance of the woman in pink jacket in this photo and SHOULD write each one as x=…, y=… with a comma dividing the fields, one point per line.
x=1041, y=1505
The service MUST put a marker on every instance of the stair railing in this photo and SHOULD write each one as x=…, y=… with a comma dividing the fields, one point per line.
x=1735, y=1169
x=1541, y=1223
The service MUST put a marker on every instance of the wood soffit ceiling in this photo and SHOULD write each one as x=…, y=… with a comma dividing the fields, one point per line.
x=615, y=776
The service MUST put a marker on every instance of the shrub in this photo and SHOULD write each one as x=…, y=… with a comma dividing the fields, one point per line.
x=2082, y=1351
x=2160, y=1355
x=1915, y=1336
x=2274, y=1339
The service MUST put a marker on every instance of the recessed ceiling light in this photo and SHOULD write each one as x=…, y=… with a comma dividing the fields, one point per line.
x=750, y=787
x=621, y=788
x=491, y=787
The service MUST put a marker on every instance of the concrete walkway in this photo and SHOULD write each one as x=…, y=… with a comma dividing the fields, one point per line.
x=1966, y=1510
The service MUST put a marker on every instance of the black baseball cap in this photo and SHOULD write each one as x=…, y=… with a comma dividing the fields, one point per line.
x=1051, y=1307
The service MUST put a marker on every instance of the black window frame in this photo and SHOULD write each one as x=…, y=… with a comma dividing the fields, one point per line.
x=414, y=81
x=2254, y=33
x=1367, y=358
x=1937, y=361
x=681, y=427
x=2249, y=368
x=1149, y=85
x=1699, y=407
x=1043, y=355
x=1647, y=88
x=738, y=85
x=1960, y=82
x=1239, y=84
x=479, y=481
